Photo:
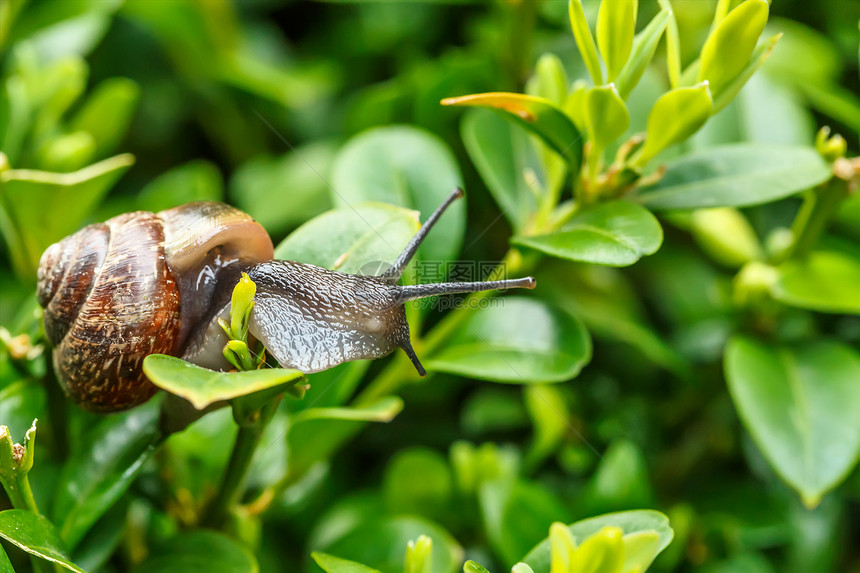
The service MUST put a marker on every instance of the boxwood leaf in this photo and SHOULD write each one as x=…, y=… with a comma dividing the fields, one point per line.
x=36, y=535
x=735, y=176
x=332, y=564
x=409, y=168
x=677, y=115
x=200, y=550
x=644, y=46
x=112, y=456
x=630, y=523
x=538, y=115
x=348, y=239
x=617, y=233
x=40, y=208
x=801, y=405
x=493, y=345
x=825, y=281
x=616, y=24
x=107, y=113
x=585, y=41
x=203, y=387
x=502, y=153
x=727, y=50
x=606, y=116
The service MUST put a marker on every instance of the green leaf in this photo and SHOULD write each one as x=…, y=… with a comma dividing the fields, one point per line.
x=493, y=345
x=332, y=564
x=203, y=387
x=285, y=191
x=40, y=208
x=735, y=176
x=381, y=542
x=759, y=57
x=472, y=567
x=107, y=113
x=824, y=282
x=644, y=46
x=111, y=457
x=616, y=24
x=67, y=152
x=538, y=115
x=618, y=234
x=677, y=115
x=620, y=481
x=606, y=116
x=196, y=180
x=200, y=550
x=728, y=49
x=36, y=535
x=5, y=564
x=347, y=239
x=409, y=168
x=549, y=414
x=630, y=522
x=317, y=432
x=550, y=79
x=801, y=406
x=585, y=41
x=505, y=159
x=417, y=481
x=726, y=235
x=673, y=47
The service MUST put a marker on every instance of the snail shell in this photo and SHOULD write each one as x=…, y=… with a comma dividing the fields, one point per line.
x=135, y=285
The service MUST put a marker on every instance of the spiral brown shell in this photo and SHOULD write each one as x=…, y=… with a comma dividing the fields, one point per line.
x=136, y=285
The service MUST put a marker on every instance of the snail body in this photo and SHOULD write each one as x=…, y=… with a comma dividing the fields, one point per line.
x=144, y=283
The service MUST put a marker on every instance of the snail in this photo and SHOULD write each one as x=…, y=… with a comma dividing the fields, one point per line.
x=143, y=283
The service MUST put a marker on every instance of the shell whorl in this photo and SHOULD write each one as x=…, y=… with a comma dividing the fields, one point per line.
x=136, y=285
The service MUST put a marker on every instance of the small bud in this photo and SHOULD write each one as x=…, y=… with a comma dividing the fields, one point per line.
x=419, y=555
x=830, y=147
x=521, y=568
x=753, y=283
x=472, y=567
x=240, y=306
x=726, y=235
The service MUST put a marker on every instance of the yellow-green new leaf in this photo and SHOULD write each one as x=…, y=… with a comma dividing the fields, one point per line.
x=644, y=46
x=673, y=47
x=726, y=235
x=758, y=58
x=585, y=41
x=550, y=80
x=603, y=552
x=538, y=115
x=728, y=49
x=574, y=105
x=677, y=115
x=606, y=116
x=616, y=24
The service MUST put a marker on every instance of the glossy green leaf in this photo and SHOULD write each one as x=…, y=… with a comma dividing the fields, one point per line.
x=616, y=24
x=67, y=152
x=332, y=564
x=538, y=115
x=630, y=522
x=758, y=58
x=197, y=180
x=36, y=535
x=644, y=46
x=347, y=239
x=801, y=406
x=728, y=49
x=825, y=282
x=111, y=457
x=677, y=115
x=417, y=481
x=203, y=387
x=5, y=564
x=493, y=345
x=409, y=168
x=618, y=233
x=735, y=176
x=585, y=41
x=726, y=236
x=107, y=113
x=285, y=191
x=606, y=116
x=515, y=515
x=200, y=550
x=505, y=159
x=472, y=567
x=381, y=542
x=317, y=432
x=41, y=208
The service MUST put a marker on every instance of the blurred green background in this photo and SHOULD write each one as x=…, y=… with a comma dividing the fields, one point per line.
x=251, y=102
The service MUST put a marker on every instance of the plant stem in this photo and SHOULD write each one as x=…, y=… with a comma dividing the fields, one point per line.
x=818, y=208
x=244, y=447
